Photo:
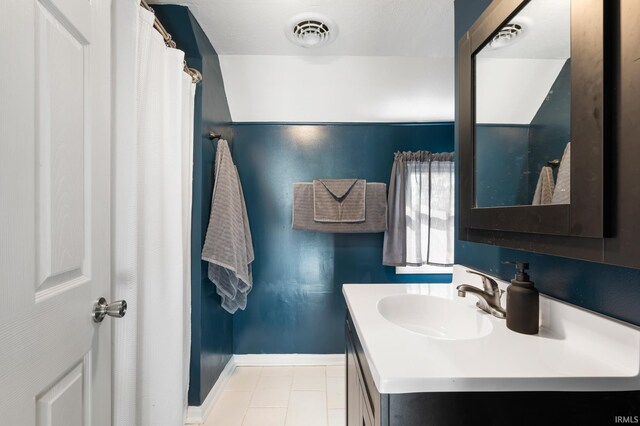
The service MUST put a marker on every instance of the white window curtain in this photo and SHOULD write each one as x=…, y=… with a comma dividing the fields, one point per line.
x=421, y=221
x=153, y=139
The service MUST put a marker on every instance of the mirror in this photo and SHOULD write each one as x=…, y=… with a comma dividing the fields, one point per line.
x=523, y=109
x=521, y=99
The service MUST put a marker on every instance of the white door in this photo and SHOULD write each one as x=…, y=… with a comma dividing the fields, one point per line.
x=54, y=212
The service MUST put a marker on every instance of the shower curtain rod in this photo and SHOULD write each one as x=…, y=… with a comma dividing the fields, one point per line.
x=196, y=76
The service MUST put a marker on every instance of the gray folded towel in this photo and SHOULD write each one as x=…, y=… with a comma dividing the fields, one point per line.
x=228, y=246
x=562, y=192
x=339, y=200
x=375, y=211
x=544, y=188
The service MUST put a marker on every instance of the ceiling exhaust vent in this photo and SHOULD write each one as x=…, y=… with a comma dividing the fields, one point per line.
x=311, y=30
x=507, y=35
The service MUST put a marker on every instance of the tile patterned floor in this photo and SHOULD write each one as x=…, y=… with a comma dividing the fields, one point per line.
x=282, y=396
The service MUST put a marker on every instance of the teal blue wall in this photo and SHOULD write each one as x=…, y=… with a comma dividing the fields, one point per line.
x=211, y=326
x=296, y=305
x=502, y=164
x=611, y=290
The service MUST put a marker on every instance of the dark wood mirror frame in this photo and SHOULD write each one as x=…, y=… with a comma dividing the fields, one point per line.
x=584, y=217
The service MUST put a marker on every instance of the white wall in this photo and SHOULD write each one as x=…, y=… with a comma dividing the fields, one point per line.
x=510, y=91
x=339, y=88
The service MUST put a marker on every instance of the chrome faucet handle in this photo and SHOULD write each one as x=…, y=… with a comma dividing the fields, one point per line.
x=490, y=285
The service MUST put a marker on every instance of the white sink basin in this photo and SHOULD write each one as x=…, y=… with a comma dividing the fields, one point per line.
x=435, y=317
x=421, y=338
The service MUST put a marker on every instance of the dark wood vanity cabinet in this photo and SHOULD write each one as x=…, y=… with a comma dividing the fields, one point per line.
x=364, y=403
x=368, y=407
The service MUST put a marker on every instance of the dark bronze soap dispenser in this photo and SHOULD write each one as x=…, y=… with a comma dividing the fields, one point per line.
x=523, y=304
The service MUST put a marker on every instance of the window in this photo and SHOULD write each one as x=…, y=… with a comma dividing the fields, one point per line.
x=420, y=238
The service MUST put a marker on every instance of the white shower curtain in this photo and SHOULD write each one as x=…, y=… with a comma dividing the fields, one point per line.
x=153, y=115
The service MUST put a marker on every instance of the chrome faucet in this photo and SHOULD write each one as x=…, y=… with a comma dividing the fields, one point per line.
x=489, y=298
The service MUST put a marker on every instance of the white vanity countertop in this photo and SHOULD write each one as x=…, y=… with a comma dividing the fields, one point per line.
x=575, y=350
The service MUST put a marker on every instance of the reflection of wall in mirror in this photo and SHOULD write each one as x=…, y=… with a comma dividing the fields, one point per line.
x=501, y=165
x=550, y=129
x=522, y=96
x=513, y=144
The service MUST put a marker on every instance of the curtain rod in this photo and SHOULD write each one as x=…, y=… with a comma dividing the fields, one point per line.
x=196, y=76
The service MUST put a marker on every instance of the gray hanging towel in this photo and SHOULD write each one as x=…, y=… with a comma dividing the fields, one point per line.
x=544, y=188
x=562, y=191
x=375, y=211
x=228, y=247
x=339, y=200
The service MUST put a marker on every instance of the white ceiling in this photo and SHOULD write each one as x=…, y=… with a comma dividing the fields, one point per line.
x=404, y=70
x=367, y=27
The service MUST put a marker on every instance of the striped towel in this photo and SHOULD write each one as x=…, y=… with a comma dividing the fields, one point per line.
x=339, y=200
x=228, y=246
x=376, y=211
x=562, y=192
x=544, y=188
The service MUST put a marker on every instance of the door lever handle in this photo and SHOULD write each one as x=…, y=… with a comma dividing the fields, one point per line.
x=115, y=309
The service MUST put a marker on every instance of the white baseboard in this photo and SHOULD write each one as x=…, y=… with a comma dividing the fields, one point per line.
x=289, y=359
x=198, y=415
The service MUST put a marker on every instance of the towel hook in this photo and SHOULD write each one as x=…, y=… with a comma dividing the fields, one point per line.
x=213, y=135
